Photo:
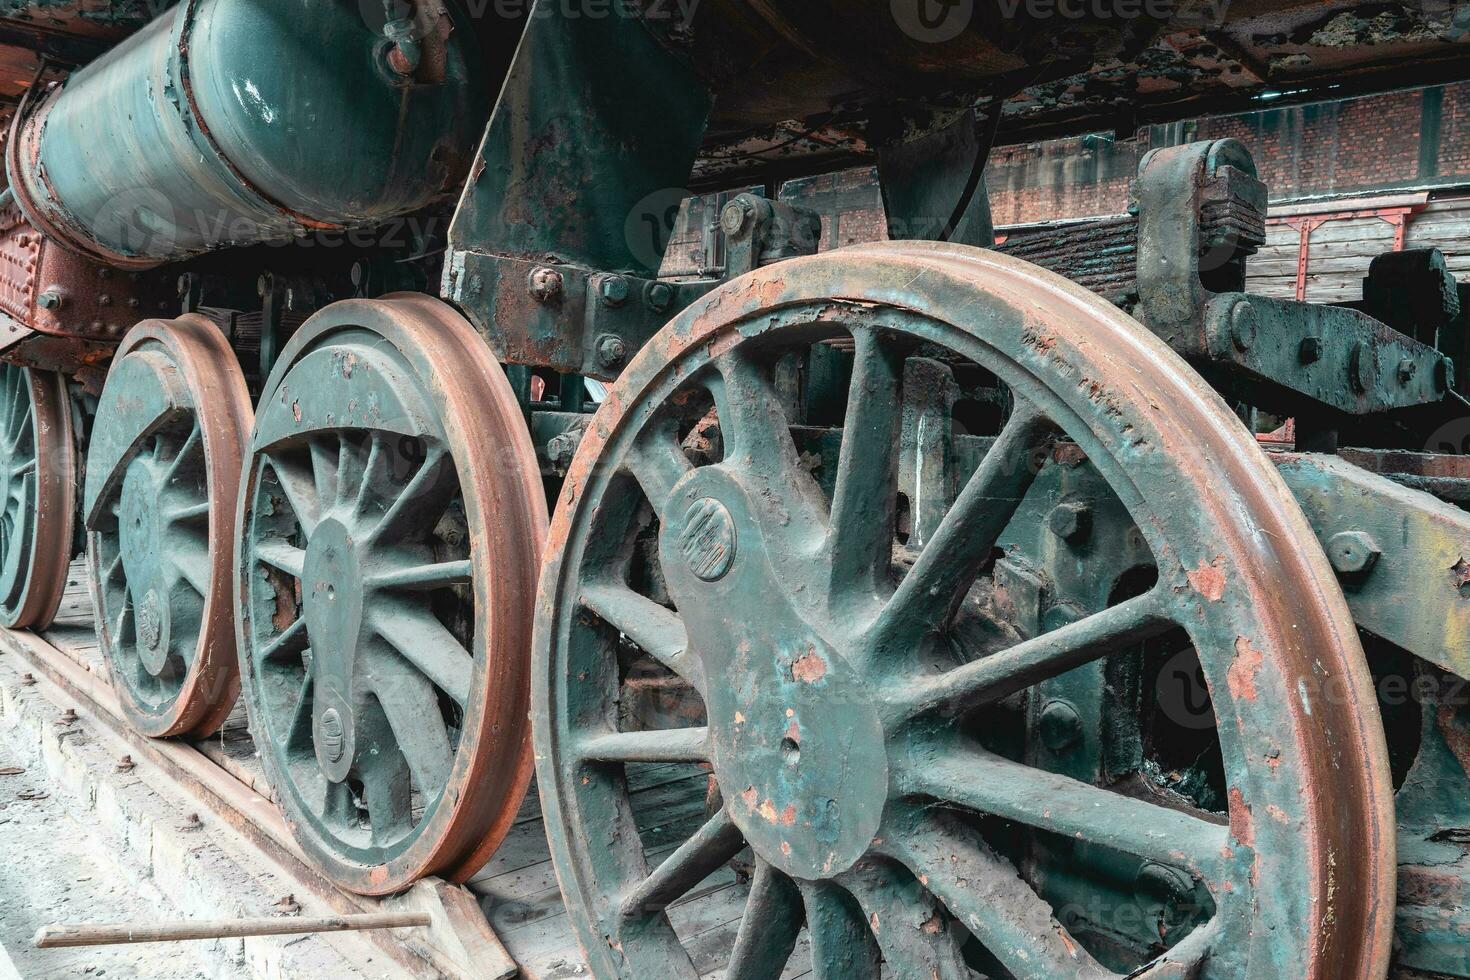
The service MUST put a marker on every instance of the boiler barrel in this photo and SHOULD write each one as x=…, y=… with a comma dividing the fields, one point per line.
x=234, y=122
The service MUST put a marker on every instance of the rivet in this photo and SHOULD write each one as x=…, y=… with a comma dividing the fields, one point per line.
x=1059, y=725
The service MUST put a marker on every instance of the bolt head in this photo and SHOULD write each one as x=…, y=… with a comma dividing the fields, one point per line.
x=546, y=285
x=660, y=296
x=614, y=290
x=1071, y=521
x=332, y=733
x=51, y=299
x=1059, y=726
x=1310, y=350
x=1353, y=552
x=1363, y=368
x=1244, y=326
x=1407, y=370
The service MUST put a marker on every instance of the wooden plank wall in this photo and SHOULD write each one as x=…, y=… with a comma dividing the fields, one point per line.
x=1342, y=250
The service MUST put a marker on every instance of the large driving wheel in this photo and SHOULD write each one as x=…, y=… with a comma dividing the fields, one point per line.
x=855, y=685
x=393, y=517
x=38, y=467
x=163, y=479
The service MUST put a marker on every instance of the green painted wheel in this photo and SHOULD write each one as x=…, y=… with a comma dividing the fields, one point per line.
x=37, y=495
x=857, y=685
x=390, y=538
x=163, y=474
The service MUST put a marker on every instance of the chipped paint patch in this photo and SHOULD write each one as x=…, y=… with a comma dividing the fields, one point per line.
x=1242, y=673
x=809, y=669
x=1209, y=580
x=1241, y=828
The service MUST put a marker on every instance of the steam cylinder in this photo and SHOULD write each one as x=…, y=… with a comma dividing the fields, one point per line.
x=234, y=122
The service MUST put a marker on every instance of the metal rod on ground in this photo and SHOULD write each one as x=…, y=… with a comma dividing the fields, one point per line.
x=58, y=936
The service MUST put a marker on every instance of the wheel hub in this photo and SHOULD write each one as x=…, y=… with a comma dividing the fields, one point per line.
x=800, y=752
x=140, y=534
x=798, y=744
x=332, y=599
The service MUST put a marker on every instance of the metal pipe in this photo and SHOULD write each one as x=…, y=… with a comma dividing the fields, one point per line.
x=234, y=122
x=67, y=936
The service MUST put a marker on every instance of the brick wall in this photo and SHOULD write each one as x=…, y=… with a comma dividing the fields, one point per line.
x=1355, y=147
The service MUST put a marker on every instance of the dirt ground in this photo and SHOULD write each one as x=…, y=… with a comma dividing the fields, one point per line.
x=53, y=872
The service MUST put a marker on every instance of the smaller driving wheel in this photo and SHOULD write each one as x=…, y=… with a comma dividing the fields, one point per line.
x=392, y=524
x=163, y=474
x=37, y=495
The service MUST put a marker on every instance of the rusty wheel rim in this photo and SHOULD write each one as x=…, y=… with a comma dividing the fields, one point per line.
x=163, y=474
x=876, y=847
x=393, y=519
x=37, y=495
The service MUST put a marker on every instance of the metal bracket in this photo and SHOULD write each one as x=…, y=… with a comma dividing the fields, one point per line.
x=564, y=317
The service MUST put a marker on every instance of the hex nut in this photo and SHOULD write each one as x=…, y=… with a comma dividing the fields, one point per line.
x=1070, y=521
x=51, y=299
x=1353, y=552
x=1408, y=368
x=613, y=289
x=659, y=296
x=546, y=284
x=612, y=351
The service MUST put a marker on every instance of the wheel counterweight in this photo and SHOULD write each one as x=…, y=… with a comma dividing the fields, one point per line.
x=38, y=465
x=162, y=483
x=392, y=523
x=855, y=681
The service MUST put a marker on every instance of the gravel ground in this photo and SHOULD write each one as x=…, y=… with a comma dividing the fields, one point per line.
x=52, y=872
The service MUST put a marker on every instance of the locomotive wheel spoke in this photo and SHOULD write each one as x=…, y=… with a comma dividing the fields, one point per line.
x=376, y=476
x=664, y=745
x=286, y=642
x=431, y=648
x=298, y=484
x=861, y=532
x=412, y=709
x=438, y=575
x=657, y=631
x=758, y=437
x=843, y=947
x=387, y=794
x=769, y=928
x=714, y=844
x=950, y=561
x=658, y=464
x=990, y=679
x=192, y=447
x=990, y=784
x=325, y=463
x=280, y=555
x=911, y=928
x=984, y=892
x=297, y=735
x=421, y=503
